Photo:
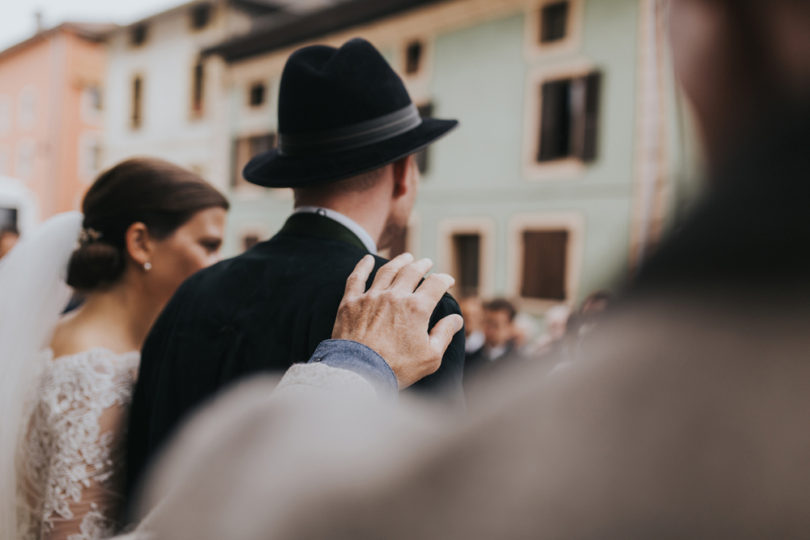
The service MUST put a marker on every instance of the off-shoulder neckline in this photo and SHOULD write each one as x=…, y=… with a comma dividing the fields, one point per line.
x=107, y=352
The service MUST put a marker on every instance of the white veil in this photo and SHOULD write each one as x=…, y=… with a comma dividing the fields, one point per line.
x=33, y=294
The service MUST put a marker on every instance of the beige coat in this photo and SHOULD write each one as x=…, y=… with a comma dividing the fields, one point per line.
x=682, y=420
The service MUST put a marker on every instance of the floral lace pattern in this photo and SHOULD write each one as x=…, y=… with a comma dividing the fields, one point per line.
x=72, y=453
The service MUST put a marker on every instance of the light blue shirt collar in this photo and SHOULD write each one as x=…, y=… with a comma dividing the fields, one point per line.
x=347, y=222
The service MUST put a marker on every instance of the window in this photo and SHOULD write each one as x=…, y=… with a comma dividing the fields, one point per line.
x=138, y=34
x=467, y=263
x=554, y=22
x=200, y=16
x=422, y=157
x=467, y=253
x=137, y=102
x=91, y=104
x=197, y=90
x=93, y=96
x=413, y=57
x=545, y=255
x=553, y=27
x=569, y=116
x=28, y=107
x=89, y=156
x=257, y=94
x=245, y=148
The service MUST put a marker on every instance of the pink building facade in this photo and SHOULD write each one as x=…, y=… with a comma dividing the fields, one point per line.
x=51, y=104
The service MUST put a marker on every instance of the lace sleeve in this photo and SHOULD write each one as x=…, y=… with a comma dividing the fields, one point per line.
x=74, y=448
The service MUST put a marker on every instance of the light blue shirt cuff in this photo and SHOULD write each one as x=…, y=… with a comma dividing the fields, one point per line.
x=356, y=357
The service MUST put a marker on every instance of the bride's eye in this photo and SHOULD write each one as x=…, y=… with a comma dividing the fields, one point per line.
x=211, y=245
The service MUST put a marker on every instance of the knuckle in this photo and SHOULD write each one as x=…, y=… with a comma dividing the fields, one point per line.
x=373, y=296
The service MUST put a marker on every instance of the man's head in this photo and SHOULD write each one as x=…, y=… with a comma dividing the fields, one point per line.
x=381, y=199
x=8, y=238
x=346, y=123
x=738, y=60
x=499, y=318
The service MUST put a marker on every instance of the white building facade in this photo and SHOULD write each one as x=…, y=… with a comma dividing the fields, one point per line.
x=161, y=98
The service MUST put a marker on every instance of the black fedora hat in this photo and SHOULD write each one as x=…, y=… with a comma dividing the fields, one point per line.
x=341, y=112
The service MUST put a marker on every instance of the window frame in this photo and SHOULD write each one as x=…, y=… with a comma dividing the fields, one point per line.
x=422, y=74
x=563, y=168
x=192, y=14
x=249, y=94
x=572, y=222
x=138, y=29
x=90, y=142
x=485, y=228
x=535, y=48
x=236, y=182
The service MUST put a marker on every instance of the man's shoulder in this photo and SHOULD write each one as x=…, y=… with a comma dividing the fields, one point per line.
x=446, y=306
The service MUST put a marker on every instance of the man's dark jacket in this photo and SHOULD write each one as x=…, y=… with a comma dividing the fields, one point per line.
x=261, y=311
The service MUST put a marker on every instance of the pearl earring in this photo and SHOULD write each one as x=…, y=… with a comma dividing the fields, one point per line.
x=147, y=266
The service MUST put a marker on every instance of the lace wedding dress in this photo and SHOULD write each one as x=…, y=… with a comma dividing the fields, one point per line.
x=70, y=480
x=64, y=418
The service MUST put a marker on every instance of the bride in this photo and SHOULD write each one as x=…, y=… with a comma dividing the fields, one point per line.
x=65, y=383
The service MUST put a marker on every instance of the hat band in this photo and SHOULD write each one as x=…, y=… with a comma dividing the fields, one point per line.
x=350, y=137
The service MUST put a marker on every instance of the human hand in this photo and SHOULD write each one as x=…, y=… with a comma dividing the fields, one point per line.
x=392, y=317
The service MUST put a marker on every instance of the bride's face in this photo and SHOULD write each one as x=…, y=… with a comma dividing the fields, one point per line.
x=192, y=247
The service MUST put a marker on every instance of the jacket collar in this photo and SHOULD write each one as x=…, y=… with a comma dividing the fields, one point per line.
x=319, y=226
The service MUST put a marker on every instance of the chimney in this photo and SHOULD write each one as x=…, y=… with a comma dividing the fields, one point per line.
x=39, y=18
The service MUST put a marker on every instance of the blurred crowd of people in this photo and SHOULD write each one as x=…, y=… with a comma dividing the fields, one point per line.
x=499, y=335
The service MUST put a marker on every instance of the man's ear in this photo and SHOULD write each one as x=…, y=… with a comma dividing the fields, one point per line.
x=401, y=170
x=139, y=243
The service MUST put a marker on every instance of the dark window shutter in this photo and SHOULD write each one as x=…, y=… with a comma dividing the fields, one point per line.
x=198, y=88
x=256, y=95
x=137, y=97
x=467, y=255
x=554, y=22
x=590, y=134
x=555, y=123
x=413, y=57
x=544, y=264
x=200, y=16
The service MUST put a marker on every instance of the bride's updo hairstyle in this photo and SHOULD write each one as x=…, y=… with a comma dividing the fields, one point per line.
x=156, y=193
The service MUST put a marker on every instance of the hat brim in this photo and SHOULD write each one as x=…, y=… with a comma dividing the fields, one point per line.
x=272, y=169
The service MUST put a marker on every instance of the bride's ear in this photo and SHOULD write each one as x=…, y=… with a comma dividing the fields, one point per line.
x=139, y=243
